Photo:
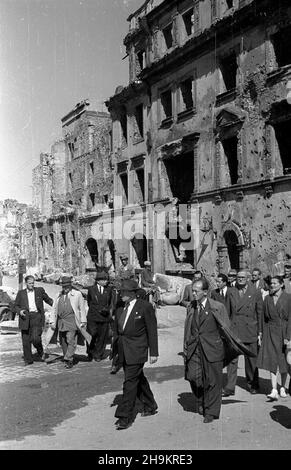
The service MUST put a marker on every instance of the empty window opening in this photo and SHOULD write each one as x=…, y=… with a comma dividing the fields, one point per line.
x=281, y=43
x=228, y=66
x=140, y=181
x=167, y=32
x=124, y=185
x=188, y=18
x=92, y=167
x=230, y=150
x=180, y=172
x=139, y=118
x=52, y=239
x=73, y=235
x=229, y=3
x=41, y=240
x=186, y=88
x=123, y=123
x=282, y=133
x=141, y=59
x=105, y=198
x=64, y=238
x=70, y=178
x=232, y=244
x=92, y=199
x=166, y=102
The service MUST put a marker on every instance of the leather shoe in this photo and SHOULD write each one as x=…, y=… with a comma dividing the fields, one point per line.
x=69, y=364
x=123, y=424
x=227, y=393
x=28, y=363
x=208, y=419
x=253, y=391
x=149, y=412
x=200, y=410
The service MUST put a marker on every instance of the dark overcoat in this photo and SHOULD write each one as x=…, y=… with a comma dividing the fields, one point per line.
x=21, y=303
x=246, y=313
x=275, y=331
x=139, y=336
x=216, y=339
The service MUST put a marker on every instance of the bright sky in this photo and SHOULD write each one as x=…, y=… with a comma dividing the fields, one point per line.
x=53, y=54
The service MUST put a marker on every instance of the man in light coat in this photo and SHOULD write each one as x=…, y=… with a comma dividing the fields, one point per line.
x=70, y=318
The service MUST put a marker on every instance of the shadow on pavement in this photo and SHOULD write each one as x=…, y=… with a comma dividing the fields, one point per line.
x=186, y=400
x=282, y=415
x=56, y=397
x=265, y=384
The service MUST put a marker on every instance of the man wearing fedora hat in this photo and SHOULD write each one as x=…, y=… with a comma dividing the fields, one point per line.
x=100, y=301
x=135, y=332
x=70, y=318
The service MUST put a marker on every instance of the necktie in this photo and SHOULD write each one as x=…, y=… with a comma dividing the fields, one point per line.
x=123, y=316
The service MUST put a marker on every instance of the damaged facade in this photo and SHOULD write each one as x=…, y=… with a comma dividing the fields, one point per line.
x=204, y=122
x=72, y=191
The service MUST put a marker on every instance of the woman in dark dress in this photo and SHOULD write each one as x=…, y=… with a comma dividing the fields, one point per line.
x=275, y=334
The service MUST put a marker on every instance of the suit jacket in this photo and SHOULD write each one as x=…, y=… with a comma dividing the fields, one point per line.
x=79, y=306
x=206, y=331
x=225, y=300
x=139, y=336
x=100, y=305
x=21, y=303
x=216, y=339
x=246, y=313
x=187, y=296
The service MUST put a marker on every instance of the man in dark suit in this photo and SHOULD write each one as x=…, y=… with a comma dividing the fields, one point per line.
x=256, y=279
x=100, y=300
x=246, y=306
x=188, y=294
x=222, y=292
x=29, y=305
x=135, y=332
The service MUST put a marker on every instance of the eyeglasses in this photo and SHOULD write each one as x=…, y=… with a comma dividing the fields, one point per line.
x=241, y=277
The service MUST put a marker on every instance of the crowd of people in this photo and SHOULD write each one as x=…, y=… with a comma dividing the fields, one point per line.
x=245, y=314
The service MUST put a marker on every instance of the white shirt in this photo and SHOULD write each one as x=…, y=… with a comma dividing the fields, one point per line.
x=100, y=288
x=31, y=300
x=203, y=303
x=131, y=305
x=223, y=291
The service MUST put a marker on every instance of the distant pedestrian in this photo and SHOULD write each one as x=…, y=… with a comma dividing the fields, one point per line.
x=70, y=319
x=275, y=332
x=188, y=293
x=256, y=279
x=232, y=277
x=126, y=270
x=100, y=301
x=29, y=305
x=135, y=332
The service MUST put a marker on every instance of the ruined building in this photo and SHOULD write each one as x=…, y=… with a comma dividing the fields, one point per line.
x=204, y=122
x=72, y=191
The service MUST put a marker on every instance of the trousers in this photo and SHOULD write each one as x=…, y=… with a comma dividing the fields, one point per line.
x=32, y=336
x=135, y=385
x=68, y=340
